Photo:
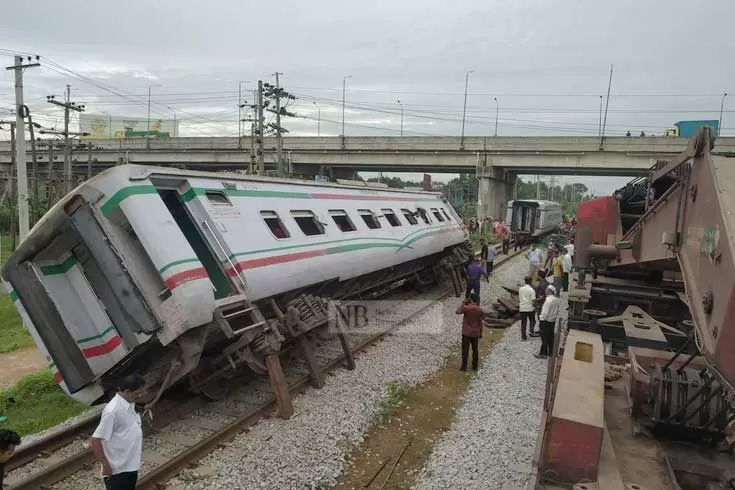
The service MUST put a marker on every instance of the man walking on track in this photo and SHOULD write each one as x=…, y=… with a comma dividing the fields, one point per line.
x=474, y=274
x=527, y=307
x=117, y=442
x=534, y=261
x=9, y=440
x=547, y=322
x=483, y=254
x=489, y=261
x=471, y=329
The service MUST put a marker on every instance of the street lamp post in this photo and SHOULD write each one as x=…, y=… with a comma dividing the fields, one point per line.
x=148, y=130
x=722, y=106
x=464, y=110
x=497, y=110
x=318, y=119
x=344, y=86
x=399, y=103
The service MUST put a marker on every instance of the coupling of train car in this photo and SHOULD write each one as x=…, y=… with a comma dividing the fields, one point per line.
x=44, y=463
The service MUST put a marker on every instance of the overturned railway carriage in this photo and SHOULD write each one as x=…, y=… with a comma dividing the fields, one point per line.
x=193, y=276
x=532, y=219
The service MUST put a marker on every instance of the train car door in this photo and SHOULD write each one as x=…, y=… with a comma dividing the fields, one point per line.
x=207, y=248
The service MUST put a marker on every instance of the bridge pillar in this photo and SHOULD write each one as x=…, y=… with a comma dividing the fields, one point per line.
x=495, y=190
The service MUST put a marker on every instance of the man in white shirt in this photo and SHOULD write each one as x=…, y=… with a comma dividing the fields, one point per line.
x=566, y=267
x=527, y=307
x=118, y=440
x=534, y=261
x=547, y=322
x=570, y=248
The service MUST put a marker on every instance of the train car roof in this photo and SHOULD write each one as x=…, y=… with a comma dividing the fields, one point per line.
x=144, y=171
x=40, y=234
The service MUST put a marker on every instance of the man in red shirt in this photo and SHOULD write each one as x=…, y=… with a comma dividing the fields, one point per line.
x=471, y=329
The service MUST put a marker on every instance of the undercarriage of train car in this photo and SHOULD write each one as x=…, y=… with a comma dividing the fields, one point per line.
x=252, y=337
x=297, y=318
x=647, y=348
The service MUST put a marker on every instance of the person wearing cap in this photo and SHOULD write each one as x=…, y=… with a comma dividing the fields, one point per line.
x=547, y=322
x=471, y=329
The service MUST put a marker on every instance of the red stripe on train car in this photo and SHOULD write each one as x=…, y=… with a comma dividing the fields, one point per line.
x=186, y=276
x=102, y=349
x=57, y=378
x=274, y=259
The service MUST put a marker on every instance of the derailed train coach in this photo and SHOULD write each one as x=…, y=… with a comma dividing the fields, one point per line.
x=530, y=219
x=192, y=276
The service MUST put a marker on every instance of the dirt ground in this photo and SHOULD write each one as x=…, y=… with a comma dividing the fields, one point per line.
x=426, y=412
x=15, y=365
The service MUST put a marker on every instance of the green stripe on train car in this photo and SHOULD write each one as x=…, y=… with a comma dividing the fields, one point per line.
x=62, y=268
x=113, y=202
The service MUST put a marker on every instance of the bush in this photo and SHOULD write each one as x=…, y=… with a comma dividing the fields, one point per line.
x=36, y=403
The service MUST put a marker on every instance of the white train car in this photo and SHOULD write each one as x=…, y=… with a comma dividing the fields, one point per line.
x=530, y=219
x=180, y=274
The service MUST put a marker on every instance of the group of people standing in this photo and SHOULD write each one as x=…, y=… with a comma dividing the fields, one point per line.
x=542, y=300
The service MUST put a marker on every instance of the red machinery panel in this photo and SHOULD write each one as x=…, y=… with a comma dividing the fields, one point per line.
x=600, y=216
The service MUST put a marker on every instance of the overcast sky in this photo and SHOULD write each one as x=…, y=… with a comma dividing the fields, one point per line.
x=546, y=62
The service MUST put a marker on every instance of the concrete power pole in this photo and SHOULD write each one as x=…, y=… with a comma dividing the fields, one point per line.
x=20, y=144
x=68, y=106
x=260, y=117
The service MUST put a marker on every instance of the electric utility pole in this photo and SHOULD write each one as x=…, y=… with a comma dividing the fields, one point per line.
x=68, y=107
x=259, y=117
x=20, y=143
x=275, y=94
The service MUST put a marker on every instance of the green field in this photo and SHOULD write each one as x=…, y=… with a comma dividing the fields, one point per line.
x=13, y=336
x=36, y=403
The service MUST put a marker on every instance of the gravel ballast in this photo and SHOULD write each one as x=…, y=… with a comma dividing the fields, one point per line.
x=491, y=443
x=310, y=449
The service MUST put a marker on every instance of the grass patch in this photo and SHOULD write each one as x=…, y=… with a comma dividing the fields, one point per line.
x=13, y=336
x=397, y=394
x=36, y=403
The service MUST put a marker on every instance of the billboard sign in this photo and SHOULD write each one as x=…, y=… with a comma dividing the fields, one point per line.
x=102, y=126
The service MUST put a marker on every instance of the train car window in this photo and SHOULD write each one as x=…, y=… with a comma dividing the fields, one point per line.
x=308, y=223
x=369, y=218
x=410, y=216
x=218, y=197
x=275, y=225
x=340, y=218
x=437, y=214
x=424, y=215
x=446, y=215
x=391, y=217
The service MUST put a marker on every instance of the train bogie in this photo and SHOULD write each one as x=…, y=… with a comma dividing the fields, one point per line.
x=159, y=270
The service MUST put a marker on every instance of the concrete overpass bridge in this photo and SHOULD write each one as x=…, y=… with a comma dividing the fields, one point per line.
x=496, y=160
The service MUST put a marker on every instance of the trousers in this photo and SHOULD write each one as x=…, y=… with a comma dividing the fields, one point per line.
x=474, y=342
x=122, y=481
x=546, y=330
x=472, y=285
x=565, y=281
x=527, y=317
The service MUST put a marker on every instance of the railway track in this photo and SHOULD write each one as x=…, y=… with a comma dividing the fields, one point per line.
x=62, y=466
